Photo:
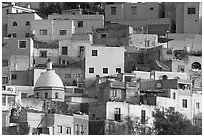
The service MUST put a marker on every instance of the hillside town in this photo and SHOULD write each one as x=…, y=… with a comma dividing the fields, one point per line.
x=83, y=72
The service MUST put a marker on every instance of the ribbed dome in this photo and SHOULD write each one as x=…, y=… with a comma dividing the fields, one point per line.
x=49, y=79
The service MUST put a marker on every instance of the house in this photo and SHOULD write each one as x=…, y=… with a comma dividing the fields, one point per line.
x=83, y=23
x=184, y=15
x=112, y=35
x=143, y=17
x=111, y=61
x=47, y=30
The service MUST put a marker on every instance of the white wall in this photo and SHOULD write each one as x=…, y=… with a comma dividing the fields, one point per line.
x=108, y=57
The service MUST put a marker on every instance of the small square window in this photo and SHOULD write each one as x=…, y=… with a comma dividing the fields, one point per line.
x=43, y=54
x=63, y=32
x=68, y=75
x=27, y=35
x=105, y=70
x=22, y=44
x=4, y=63
x=80, y=24
x=104, y=35
x=14, y=35
x=151, y=8
x=13, y=76
x=94, y=52
x=191, y=10
x=118, y=70
x=113, y=10
x=91, y=70
x=43, y=32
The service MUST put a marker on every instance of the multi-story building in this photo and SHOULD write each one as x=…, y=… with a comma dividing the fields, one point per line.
x=103, y=61
x=144, y=17
x=83, y=23
x=18, y=45
x=11, y=8
x=186, y=16
x=52, y=29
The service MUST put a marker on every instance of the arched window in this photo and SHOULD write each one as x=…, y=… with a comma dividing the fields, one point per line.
x=164, y=77
x=14, y=23
x=27, y=23
x=56, y=95
x=196, y=65
x=176, y=77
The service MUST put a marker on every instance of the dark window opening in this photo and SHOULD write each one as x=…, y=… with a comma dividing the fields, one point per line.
x=192, y=10
x=64, y=50
x=105, y=70
x=43, y=54
x=80, y=24
x=117, y=114
x=113, y=10
x=94, y=52
x=91, y=70
x=14, y=23
x=13, y=76
x=27, y=23
x=143, y=116
x=184, y=103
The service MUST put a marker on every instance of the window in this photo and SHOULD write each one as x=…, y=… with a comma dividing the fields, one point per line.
x=153, y=113
x=4, y=63
x=77, y=75
x=142, y=116
x=14, y=35
x=169, y=51
x=151, y=8
x=56, y=95
x=113, y=10
x=68, y=130
x=4, y=80
x=46, y=95
x=14, y=23
x=104, y=35
x=196, y=65
x=118, y=70
x=64, y=50
x=63, y=32
x=184, y=101
x=82, y=129
x=37, y=94
x=77, y=129
x=134, y=10
x=105, y=70
x=180, y=68
x=68, y=75
x=197, y=105
x=191, y=10
x=11, y=100
x=63, y=62
x=80, y=24
x=174, y=95
x=114, y=93
x=3, y=100
x=43, y=32
x=117, y=114
x=13, y=76
x=91, y=70
x=94, y=52
x=43, y=54
x=27, y=23
x=59, y=129
x=22, y=44
x=27, y=35
x=147, y=43
x=7, y=11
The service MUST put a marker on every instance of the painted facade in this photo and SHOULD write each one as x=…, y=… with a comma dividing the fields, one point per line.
x=82, y=23
x=110, y=58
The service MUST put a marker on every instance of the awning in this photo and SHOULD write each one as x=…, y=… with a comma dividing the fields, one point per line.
x=162, y=65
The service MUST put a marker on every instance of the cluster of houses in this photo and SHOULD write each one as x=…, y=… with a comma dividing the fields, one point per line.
x=73, y=73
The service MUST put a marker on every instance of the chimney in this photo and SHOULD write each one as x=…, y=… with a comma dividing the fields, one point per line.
x=49, y=64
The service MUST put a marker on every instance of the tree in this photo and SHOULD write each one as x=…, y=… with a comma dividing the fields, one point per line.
x=170, y=122
x=130, y=126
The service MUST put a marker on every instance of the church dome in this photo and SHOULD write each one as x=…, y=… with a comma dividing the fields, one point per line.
x=49, y=79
